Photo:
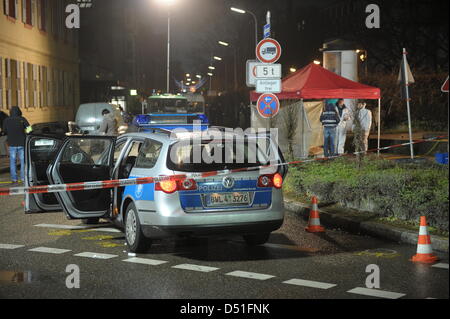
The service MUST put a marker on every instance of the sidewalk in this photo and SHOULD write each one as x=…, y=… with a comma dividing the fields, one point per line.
x=365, y=225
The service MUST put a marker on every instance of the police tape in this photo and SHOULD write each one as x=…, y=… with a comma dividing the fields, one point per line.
x=83, y=186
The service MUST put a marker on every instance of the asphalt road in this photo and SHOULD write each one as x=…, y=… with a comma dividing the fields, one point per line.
x=294, y=264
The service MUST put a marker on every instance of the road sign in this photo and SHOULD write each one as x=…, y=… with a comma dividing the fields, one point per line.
x=444, y=87
x=268, y=86
x=251, y=72
x=268, y=105
x=268, y=71
x=268, y=51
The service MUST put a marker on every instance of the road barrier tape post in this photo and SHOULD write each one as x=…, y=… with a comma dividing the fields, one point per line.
x=150, y=180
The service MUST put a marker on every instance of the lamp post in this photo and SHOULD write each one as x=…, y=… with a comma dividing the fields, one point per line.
x=168, y=3
x=241, y=11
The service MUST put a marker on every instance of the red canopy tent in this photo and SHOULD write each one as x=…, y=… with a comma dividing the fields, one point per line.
x=316, y=82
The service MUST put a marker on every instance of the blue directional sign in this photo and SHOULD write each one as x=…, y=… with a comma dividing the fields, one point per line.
x=267, y=31
x=268, y=105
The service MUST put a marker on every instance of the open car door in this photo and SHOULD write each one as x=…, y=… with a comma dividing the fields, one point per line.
x=84, y=159
x=40, y=151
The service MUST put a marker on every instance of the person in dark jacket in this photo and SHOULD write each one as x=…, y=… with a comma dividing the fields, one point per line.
x=109, y=124
x=3, y=145
x=329, y=119
x=15, y=128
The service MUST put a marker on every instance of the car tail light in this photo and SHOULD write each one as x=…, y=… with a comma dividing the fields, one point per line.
x=274, y=180
x=277, y=180
x=187, y=185
x=168, y=187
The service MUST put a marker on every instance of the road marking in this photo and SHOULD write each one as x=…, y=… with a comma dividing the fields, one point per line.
x=195, y=267
x=145, y=261
x=308, y=283
x=49, y=250
x=251, y=275
x=376, y=293
x=379, y=252
x=441, y=265
x=9, y=246
x=61, y=226
x=95, y=255
x=107, y=229
x=77, y=227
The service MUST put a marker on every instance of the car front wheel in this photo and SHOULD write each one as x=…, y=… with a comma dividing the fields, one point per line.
x=136, y=241
x=256, y=239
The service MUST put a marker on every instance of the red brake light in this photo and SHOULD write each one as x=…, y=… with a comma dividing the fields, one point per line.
x=277, y=180
x=168, y=186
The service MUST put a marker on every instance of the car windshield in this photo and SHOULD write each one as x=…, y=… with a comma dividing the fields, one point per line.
x=210, y=155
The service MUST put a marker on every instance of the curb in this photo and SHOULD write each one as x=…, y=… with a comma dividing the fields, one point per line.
x=373, y=229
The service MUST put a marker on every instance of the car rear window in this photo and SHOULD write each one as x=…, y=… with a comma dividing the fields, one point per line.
x=204, y=156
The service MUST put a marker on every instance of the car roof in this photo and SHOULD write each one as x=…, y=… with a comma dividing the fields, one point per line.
x=166, y=136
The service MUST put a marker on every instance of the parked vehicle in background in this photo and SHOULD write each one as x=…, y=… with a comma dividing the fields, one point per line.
x=170, y=103
x=89, y=117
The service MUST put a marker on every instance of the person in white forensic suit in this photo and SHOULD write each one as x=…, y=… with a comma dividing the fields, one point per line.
x=365, y=117
x=345, y=115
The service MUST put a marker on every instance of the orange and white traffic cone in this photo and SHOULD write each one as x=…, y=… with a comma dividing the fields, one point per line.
x=314, y=220
x=424, y=249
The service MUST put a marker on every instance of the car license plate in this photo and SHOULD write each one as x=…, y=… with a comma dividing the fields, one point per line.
x=228, y=199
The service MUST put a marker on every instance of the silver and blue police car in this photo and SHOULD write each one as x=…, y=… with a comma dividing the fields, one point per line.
x=248, y=202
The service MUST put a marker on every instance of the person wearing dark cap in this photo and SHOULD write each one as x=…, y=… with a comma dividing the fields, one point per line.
x=16, y=127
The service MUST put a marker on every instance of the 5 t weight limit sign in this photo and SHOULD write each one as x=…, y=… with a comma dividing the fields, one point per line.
x=268, y=71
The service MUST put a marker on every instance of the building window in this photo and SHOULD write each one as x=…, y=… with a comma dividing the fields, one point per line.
x=43, y=86
x=1, y=83
x=10, y=8
x=27, y=12
x=12, y=75
x=42, y=14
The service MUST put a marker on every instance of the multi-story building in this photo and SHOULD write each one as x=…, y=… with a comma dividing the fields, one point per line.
x=39, y=63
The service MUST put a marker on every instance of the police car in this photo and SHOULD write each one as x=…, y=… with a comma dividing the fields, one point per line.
x=249, y=203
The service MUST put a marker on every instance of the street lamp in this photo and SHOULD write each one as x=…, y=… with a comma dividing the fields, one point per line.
x=254, y=17
x=211, y=67
x=217, y=58
x=317, y=62
x=168, y=3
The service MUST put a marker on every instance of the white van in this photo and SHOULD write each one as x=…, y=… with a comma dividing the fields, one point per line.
x=89, y=117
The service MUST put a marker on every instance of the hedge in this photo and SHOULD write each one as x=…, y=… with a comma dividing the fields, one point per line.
x=389, y=189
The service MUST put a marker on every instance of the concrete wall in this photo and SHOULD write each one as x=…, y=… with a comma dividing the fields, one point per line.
x=45, y=85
